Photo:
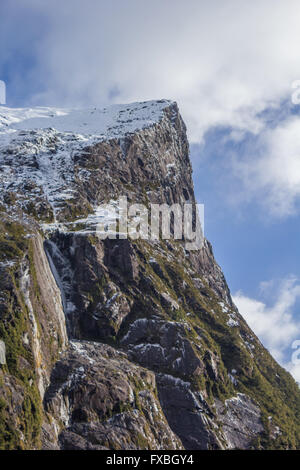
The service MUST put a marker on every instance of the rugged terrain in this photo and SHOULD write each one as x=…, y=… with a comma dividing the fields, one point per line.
x=119, y=344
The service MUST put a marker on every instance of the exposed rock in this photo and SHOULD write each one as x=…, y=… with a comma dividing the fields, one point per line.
x=104, y=401
x=169, y=351
x=2, y=352
x=45, y=312
x=188, y=418
x=241, y=420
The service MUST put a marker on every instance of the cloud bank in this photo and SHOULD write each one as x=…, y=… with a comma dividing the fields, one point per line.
x=269, y=169
x=223, y=61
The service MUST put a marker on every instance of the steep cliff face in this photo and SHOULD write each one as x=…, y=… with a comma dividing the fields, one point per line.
x=120, y=343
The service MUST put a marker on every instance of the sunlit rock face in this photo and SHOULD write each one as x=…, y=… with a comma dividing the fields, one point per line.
x=119, y=343
x=2, y=353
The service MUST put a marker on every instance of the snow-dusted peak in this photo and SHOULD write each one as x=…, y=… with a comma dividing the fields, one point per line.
x=38, y=145
x=111, y=122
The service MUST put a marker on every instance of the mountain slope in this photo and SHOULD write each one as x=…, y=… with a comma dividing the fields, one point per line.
x=120, y=344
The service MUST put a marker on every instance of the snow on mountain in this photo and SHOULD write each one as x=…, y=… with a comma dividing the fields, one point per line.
x=37, y=145
x=111, y=122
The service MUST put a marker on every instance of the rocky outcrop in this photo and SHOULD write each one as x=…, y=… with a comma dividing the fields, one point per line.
x=188, y=414
x=172, y=351
x=104, y=401
x=120, y=343
x=241, y=421
x=2, y=353
x=32, y=328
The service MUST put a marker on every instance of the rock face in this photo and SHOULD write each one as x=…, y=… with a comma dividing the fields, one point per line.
x=2, y=353
x=104, y=401
x=120, y=343
x=242, y=414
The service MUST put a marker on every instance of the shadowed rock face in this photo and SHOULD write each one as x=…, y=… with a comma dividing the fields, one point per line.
x=122, y=344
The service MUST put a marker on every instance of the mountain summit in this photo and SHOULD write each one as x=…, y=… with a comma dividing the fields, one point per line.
x=120, y=343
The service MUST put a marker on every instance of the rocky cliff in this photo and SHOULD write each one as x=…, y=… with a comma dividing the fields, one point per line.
x=119, y=343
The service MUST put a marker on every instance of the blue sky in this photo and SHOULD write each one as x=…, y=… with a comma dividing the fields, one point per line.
x=230, y=66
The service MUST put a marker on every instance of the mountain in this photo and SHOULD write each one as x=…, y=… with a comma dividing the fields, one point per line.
x=120, y=343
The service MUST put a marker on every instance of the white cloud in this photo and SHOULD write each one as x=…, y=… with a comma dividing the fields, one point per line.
x=272, y=174
x=275, y=325
x=294, y=369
